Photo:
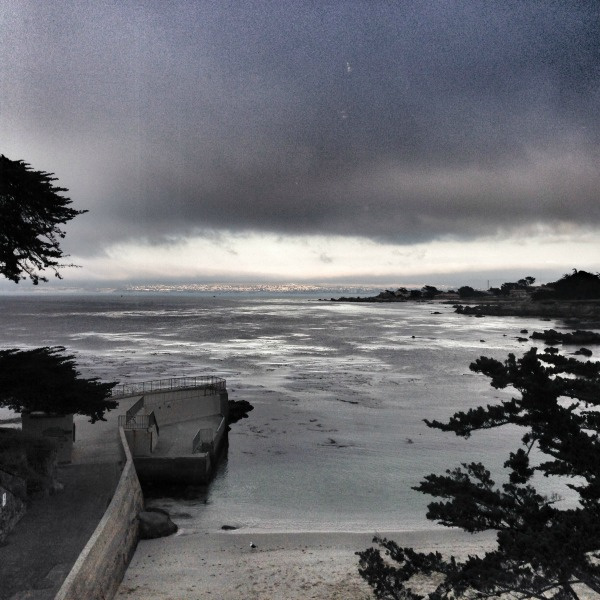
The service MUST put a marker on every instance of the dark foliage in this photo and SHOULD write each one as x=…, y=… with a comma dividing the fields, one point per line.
x=32, y=210
x=466, y=291
x=542, y=551
x=429, y=292
x=46, y=379
x=507, y=287
x=579, y=285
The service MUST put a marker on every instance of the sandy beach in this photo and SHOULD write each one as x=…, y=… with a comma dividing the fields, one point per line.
x=283, y=566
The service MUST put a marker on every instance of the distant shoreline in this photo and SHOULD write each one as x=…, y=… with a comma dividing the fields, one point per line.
x=584, y=310
x=580, y=310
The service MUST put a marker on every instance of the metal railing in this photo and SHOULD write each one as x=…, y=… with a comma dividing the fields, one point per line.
x=208, y=382
x=204, y=440
x=138, y=421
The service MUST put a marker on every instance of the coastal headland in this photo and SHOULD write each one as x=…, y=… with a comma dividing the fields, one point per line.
x=574, y=297
x=582, y=310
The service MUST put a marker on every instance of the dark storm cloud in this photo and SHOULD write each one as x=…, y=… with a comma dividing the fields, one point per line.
x=396, y=121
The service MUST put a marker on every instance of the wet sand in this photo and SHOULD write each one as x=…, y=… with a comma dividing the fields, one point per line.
x=282, y=566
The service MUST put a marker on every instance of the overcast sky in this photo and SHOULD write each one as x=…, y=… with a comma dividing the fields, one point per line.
x=312, y=140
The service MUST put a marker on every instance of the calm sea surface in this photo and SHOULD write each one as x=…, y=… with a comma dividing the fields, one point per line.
x=340, y=391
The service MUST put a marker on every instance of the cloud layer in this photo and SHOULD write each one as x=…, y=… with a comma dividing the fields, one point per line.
x=398, y=122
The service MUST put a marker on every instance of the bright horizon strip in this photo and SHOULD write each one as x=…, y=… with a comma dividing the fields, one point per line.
x=270, y=256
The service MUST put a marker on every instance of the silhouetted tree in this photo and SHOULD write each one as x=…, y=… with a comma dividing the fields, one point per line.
x=43, y=379
x=32, y=210
x=466, y=291
x=521, y=284
x=429, y=291
x=542, y=551
x=526, y=282
x=579, y=285
x=46, y=379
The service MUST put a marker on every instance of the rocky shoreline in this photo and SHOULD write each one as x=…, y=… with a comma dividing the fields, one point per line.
x=386, y=296
x=576, y=310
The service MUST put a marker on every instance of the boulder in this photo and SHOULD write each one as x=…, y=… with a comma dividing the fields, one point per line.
x=238, y=409
x=154, y=524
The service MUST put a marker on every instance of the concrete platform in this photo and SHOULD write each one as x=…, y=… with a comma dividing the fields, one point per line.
x=176, y=439
x=168, y=425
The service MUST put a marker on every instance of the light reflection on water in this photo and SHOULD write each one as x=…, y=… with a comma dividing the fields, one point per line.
x=337, y=439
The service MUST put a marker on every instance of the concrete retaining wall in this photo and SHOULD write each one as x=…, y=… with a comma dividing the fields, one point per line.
x=214, y=443
x=188, y=470
x=153, y=438
x=142, y=441
x=219, y=434
x=99, y=570
x=176, y=406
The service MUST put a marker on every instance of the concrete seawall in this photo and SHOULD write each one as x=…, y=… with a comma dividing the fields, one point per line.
x=177, y=406
x=165, y=435
x=165, y=470
x=98, y=571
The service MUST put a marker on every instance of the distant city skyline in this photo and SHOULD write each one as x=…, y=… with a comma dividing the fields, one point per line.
x=358, y=142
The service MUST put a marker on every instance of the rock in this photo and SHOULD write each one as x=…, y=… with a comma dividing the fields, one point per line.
x=586, y=310
x=551, y=336
x=154, y=524
x=239, y=409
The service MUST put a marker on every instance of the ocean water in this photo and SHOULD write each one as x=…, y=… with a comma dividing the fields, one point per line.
x=336, y=440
